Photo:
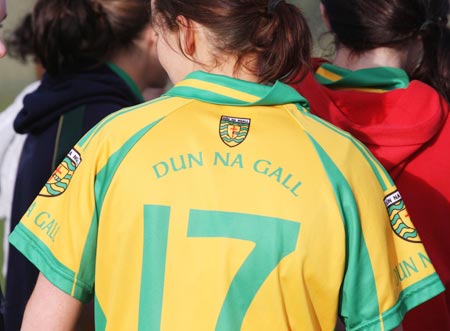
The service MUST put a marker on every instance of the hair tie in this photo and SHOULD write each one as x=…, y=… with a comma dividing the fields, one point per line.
x=425, y=25
x=272, y=5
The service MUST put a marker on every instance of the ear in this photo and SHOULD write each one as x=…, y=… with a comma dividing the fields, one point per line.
x=187, y=35
x=148, y=38
x=323, y=12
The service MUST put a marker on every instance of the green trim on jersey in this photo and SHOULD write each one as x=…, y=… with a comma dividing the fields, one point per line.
x=104, y=178
x=106, y=175
x=100, y=318
x=381, y=78
x=127, y=79
x=380, y=172
x=39, y=254
x=86, y=271
x=354, y=303
x=213, y=258
x=199, y=85
x=92, y=133
x=394, y=316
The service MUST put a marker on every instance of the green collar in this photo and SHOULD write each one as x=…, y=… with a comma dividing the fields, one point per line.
x=224, y=90
x=127, y=79
x=379, y=79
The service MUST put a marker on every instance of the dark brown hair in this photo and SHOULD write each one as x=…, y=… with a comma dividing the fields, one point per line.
x=66, y=33
x=443, y=65
x=276, y=33
x=362, y=25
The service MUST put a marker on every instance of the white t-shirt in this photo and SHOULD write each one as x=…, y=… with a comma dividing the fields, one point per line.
x=10, y=149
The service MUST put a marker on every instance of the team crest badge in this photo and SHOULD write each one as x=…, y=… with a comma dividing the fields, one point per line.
x=400, y=221
x=59, y=181
x=233, y=130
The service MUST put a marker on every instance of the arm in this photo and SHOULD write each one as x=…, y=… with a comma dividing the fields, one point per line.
x=50, y=309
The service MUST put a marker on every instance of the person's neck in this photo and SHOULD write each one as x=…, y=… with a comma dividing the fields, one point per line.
x=130, y=64
x=230, y=72
x=378, y=57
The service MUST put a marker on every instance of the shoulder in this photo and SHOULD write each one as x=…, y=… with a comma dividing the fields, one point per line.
x=123, y=124
x=340, y=149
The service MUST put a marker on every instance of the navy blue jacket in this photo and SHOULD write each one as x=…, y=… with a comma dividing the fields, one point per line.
x=54, y=117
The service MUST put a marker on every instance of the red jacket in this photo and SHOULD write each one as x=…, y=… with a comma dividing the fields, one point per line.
x=408, y=130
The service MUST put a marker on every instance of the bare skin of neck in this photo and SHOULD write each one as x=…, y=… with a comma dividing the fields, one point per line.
x=378, y=57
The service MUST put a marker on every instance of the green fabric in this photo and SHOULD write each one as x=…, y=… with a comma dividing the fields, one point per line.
x=100, y=318
x=354, y=302
x=276, y=94
x=127, y=79
x=39, y=254
x=97, y=128
x=373, y=162
x=383, y=78
x=156, y=233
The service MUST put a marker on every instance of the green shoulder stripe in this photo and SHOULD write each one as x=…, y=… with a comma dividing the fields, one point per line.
x=101, y=186
x=106, y=174
x=363, y=304
x=84, y=141
x=380, y=172
x=100, y=318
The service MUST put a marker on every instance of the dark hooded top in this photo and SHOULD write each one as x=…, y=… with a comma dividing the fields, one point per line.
x=55, y=117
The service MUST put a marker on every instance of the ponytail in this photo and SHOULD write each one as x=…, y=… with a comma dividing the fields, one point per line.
x=435, y=67
x=363, y=25
x=283, y=44
x=443, y=62
x=67, y=33
x=273, y=32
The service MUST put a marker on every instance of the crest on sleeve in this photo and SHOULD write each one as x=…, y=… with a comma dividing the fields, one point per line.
x=233, y=130
x=59, y=181
x=400, y=222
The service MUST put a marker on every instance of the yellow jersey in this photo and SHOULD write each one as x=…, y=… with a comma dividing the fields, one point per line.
x=225, y=205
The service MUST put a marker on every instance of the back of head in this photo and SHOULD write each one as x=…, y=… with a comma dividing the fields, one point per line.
x=67, y=33
x=363, y=25
x=273, y=32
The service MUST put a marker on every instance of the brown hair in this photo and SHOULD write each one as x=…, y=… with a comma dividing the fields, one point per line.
x=66, y=32
x=362, y=25
x=275, y=32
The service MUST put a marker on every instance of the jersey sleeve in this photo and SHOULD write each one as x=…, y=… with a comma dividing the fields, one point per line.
x=386, y=253
x=59, y=230
x=387, y=271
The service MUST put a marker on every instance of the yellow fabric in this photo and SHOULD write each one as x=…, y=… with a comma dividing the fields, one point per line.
x=181, y=162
